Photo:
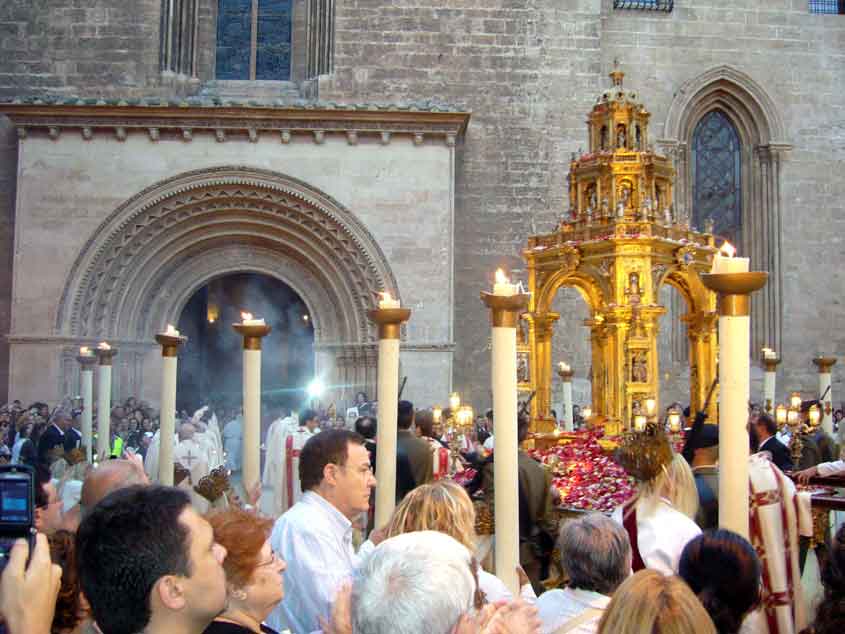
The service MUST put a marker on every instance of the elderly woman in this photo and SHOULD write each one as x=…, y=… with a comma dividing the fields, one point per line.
x=253, y=572
x=596, y=556
x=445, y=507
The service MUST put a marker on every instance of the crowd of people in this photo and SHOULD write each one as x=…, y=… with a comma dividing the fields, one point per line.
x=131, y=556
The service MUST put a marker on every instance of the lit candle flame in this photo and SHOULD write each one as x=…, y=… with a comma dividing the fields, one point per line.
x=386, y=296
x=85, y=351
x=104, y=346
x=501, y=278
x=171, y=331
x=245, y=316
x=728, y=250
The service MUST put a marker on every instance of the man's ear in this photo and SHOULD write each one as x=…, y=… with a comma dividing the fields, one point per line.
x=330, y=474
x=170, y=592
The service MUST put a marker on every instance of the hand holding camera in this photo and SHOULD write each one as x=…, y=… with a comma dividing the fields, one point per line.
x=28, y=593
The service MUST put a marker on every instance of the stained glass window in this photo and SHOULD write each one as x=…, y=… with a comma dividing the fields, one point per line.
x=717, y=176
x=653, y=5
x=827, y=6
x=254, y=39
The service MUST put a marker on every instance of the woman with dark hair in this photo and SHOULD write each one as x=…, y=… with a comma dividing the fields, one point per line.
x=723, y=570
x=830, y=618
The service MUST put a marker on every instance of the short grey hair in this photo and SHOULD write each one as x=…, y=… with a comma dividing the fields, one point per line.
x=415, y=583
x=595, y=553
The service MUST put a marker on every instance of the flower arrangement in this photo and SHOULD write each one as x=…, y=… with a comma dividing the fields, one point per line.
x=584, y=473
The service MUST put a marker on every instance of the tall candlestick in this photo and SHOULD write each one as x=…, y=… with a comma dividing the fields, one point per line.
x=170, y=342
x=252, y=331
x=86, y=360
x=389, y=321
x=825, y=365
x=770, y=363
x=734, y=290
x=505, y=308
x=565, y=373
x=105, y=354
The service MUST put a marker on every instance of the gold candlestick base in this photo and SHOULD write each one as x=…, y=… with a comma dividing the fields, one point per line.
x=389, y=321
x=105, y=356
x=170, y=344
x=252, y=335
x=566, y=375
x=87, y=361
x=505, y=309
x=824, y=364
x=771, y=365
x=735, y=290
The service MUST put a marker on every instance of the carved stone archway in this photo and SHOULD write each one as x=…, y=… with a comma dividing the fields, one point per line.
x=151, y=254
x=764, y=143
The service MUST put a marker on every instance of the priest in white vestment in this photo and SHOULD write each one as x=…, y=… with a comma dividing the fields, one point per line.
x=282, y=467
x=774, y=532
x=191, y=454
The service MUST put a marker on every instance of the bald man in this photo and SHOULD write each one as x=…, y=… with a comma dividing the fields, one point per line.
x=109, y=476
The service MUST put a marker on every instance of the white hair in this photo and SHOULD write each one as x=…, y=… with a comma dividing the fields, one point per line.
x=415, y=583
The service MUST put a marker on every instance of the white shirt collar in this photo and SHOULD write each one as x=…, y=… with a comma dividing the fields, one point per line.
x=338, y=520
x=588, y=598
x=59, y=429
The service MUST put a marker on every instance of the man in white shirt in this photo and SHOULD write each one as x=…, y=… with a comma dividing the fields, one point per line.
x=595, y=553
x=823, y=469
x=315, y=536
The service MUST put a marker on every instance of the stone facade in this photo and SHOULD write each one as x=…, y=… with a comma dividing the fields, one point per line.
x=529, y=72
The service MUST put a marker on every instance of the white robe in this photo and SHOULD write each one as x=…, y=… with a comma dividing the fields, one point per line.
x=208, y=442
x=151, y=457
x=232, y=443
x=273, y=447
x=662, y=533
x=286, y=486
x=193, y=456
x=774, y=534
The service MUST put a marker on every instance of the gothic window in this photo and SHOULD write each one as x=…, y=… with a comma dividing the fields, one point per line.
x=827, y=6
x=254, y=39
x=178, y=46
x=653, y=5
x=716, y=175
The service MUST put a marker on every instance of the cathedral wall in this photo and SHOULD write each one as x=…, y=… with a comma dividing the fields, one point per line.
x=529, y=72
x=402, y=193
x=80, y=47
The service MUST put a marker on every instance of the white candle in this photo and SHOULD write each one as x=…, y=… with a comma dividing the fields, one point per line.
x=503, y=286
x=387, y=301
x=725, y=261
x=103, y=346
x=827, y=403
x=167, y=420
x=87, y=389
x=568, y=420
x=247, y=319
x=564, y=367
x=252, y=416
x=171, y=331
x=505, y=467
x=734, y=386
x=85, y=351
x=388, y=400
x=769, y=384
x=104, y=411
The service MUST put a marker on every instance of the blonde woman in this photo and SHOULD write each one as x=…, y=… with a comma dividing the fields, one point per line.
x=655, y=603
x=445, y=507
x=659, y=519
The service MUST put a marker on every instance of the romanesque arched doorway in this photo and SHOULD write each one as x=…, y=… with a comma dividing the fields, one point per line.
x=153, y=252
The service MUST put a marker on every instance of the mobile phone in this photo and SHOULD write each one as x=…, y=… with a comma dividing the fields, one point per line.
x=17, y=508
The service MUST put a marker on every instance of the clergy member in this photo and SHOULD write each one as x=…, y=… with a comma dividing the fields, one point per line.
x=283, y=462
x=315, y=536
x=190, y=453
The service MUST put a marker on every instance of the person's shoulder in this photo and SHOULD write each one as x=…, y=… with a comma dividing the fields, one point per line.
x=552, y=597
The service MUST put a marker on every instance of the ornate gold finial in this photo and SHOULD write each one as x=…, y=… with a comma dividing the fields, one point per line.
x=644, y=454
x=617, y=75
